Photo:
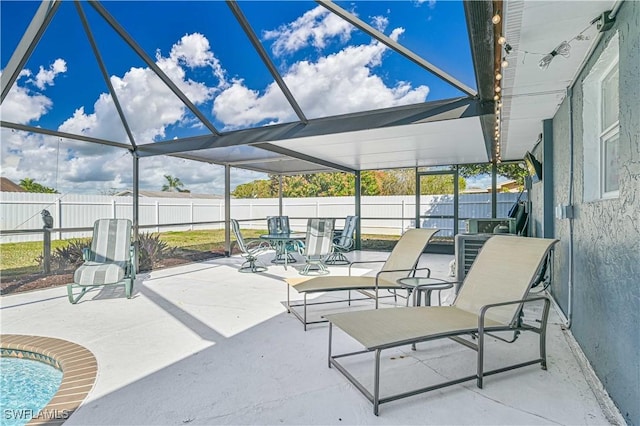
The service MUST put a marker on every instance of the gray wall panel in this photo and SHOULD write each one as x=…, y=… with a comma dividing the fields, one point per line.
x=606, y=296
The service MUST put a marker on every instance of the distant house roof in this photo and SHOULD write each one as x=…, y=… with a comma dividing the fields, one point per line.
x=168, y=194
x=6, y=185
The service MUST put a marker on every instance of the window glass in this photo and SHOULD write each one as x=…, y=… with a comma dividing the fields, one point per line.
x=610, y=98
x=610, y=163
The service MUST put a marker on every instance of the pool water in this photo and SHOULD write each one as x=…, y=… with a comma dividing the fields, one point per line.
x=27, y=386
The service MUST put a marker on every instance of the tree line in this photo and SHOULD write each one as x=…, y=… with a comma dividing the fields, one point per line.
x=378, y=182
x=373, y=182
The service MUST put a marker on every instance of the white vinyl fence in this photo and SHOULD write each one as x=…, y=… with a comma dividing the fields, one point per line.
x=381, y=215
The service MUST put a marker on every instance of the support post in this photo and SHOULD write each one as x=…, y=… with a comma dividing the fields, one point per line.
x=136, y=209
x=279, y=196
x=417, y=198
x=547, y=179
x=494, y=185
x=456, y=201
x=358, y=196
x=227, y=210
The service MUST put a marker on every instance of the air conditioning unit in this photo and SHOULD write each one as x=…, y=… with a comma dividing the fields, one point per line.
x=490, y=226
x=467, y=247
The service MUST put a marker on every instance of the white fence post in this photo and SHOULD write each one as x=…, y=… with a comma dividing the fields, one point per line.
x=191, y=216
x=59, y=210
x=16, y=207
x=157, y=216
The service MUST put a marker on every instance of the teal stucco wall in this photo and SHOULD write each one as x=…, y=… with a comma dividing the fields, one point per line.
x=606, y=233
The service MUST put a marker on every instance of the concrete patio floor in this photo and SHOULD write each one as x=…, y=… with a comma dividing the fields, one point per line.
x=204, y=344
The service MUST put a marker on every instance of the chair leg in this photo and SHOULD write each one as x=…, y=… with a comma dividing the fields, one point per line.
x=73, y=300
x=337, y=258
x=250, y=265
x=128, y=287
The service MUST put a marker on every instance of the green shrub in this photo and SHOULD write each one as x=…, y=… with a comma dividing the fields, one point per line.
x=67, y=257
x=152, y=250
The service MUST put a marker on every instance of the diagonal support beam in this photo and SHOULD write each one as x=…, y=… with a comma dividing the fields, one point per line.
x=389, y=42
x=105, y=73
x=28, y=42
x=233, y=5
x=303, y=157
x=151, y=64
x=41, y=131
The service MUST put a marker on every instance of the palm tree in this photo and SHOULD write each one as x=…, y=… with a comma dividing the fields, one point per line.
x=31, y=185
x=173, y=184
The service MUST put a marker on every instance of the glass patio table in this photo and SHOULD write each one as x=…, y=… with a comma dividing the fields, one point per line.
x=284, y=244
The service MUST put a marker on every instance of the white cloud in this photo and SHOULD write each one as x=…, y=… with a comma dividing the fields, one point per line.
x=194, y=51
x=46, y=78
x=339, y=83
x=149, y=105
x=22, y=105
x=380, y=22
x=430, y=3
x=315, y=27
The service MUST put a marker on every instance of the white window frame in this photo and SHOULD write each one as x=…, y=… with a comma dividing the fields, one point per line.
x=595, y=137
x=608, y=133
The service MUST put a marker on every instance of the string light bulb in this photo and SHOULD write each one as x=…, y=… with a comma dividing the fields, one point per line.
x=496, y=18
x=497, y=89
x=502, y=40
x=505, y=63
x=498, y=76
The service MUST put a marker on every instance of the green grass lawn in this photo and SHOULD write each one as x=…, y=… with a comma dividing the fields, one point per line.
x=21, y=258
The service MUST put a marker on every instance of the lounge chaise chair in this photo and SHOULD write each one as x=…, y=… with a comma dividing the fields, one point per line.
x=401, y=263
x=108, y=262
x=491, y=299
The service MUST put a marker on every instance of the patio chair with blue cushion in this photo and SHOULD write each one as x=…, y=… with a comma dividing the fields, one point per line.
x=317, y=246
x=278, y=225
x=250, y=250
x=343, y=243
x=109, y=261
x=492, y=297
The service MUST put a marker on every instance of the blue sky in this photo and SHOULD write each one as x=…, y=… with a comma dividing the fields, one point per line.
x=329, y=66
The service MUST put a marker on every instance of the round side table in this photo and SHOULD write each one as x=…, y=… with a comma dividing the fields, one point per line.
x=420, y=285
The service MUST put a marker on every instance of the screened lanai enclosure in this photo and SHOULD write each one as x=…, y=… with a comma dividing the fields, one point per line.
x=273, y=88
x=269, y=90
x=112, y=98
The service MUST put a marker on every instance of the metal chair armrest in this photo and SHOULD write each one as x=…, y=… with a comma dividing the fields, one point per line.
x=485, y=308
x=348, y=243
x=364, y=261
x=387, y=271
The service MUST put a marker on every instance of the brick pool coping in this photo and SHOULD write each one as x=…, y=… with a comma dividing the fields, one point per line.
x=78, y=365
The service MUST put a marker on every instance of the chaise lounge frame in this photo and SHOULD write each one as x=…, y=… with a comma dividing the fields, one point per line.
x=414, y=239
x=383, y=329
